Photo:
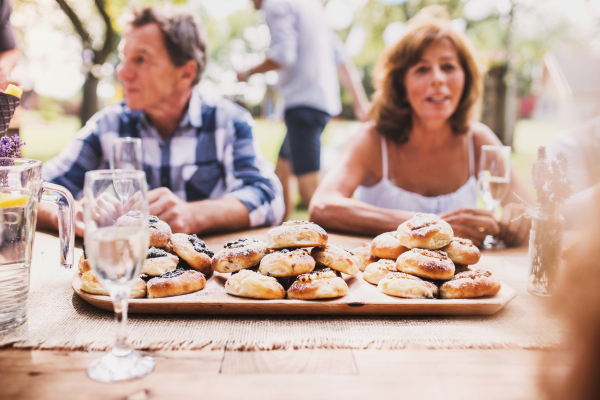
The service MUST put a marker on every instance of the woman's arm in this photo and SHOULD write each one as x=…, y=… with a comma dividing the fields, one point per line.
x=332, y=206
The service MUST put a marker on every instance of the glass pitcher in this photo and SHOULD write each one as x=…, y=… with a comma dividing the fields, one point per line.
x=21, y=188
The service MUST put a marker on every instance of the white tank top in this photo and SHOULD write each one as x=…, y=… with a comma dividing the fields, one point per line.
x=385, y=194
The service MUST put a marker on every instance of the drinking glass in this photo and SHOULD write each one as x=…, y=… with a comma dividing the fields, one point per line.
x=493, y=182
x=126, y=154
x=116, y=241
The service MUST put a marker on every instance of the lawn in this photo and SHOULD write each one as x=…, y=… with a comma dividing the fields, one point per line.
x=47, y=134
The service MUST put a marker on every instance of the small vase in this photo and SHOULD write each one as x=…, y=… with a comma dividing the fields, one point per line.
x=545, y=249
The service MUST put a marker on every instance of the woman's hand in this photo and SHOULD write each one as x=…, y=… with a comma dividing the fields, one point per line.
x=514, y=226
x=472, y=224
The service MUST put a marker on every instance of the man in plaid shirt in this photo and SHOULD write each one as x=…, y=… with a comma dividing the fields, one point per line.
x=201, y=161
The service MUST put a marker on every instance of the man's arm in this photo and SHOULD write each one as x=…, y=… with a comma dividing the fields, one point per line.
x=265, y=66
x=284, y=41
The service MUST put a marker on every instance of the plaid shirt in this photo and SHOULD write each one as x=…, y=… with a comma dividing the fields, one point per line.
x=211, y=154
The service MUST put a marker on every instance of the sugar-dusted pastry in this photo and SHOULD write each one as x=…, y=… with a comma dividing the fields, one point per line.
x=469, y=284
x=408, y=286
x=336, y=258
x=322, y=284
x=247, y=283
x=431, y=264
x=387, y=246
x=425, y=231
x=296, y=234
x=193, y=251
x=241, y=254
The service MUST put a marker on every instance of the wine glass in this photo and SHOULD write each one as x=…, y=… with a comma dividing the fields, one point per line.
x=126, y=154
x=116, y=242
x=493, y=182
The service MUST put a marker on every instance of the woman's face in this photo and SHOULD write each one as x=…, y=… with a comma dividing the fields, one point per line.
x=434, y=85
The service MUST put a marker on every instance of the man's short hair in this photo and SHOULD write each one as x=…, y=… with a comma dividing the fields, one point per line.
x=183, y=36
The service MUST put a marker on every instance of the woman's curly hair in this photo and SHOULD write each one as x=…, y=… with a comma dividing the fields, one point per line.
x=390, y=108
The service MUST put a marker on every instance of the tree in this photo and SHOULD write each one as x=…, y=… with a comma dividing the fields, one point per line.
x=92, y=56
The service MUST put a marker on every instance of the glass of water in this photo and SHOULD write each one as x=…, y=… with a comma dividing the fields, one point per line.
x=116, y=241
x=493, y=182
x=126, y=153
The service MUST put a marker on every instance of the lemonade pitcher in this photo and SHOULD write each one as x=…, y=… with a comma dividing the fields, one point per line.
x=21, y=188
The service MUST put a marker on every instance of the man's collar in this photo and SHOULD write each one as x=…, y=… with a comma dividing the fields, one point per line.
x=194, y=112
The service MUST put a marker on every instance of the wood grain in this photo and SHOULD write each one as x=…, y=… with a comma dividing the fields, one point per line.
x=423, y=374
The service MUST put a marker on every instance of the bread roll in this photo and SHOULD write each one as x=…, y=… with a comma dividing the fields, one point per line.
x=425, y=231
x=408, y=286
x=247, y=283
x=336, y=258
x=431, y=264
x=296, y=234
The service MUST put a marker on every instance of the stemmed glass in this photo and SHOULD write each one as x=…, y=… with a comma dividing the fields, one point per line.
x=116, y=241
x=126, y=154
x=493, y=182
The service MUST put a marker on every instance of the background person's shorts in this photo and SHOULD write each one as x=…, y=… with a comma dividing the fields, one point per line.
x=302, y=143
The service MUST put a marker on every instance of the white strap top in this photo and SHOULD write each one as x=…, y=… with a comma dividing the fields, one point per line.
x=385, y=194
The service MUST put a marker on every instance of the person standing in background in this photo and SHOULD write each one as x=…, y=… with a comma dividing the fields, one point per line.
x=9, y=55
x=308, y=55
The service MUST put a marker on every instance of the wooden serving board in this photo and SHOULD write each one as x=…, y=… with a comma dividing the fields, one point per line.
x=362, y=299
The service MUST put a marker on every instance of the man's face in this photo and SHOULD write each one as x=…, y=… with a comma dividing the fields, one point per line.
x=149, y=78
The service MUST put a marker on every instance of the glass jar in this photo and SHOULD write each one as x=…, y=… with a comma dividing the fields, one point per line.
x=545, y=249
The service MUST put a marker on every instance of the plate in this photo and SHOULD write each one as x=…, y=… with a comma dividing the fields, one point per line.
x=362, y=299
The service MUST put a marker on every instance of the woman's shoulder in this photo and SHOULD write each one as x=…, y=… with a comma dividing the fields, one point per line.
x=483, y=135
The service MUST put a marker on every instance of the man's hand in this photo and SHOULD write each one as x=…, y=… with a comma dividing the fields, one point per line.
x=171, y=209
x=514, y=226
x=78, y=213
x=472, y=224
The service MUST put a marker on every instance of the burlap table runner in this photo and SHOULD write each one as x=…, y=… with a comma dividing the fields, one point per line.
x=59, y=319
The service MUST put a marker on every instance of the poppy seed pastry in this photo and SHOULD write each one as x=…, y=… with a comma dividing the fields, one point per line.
x=469, y=284
x=378, y=270
x=241, y=254
x=282, y=263
x=462, y=251
x=336, y=258
x=408, y=286
x=296, y=234
x=158, y=262
x=425, y=231
x=193, y=251
x=387, y=246
x=176, y=283
x=322, y=284
x=90, y=284
x=247, y=283
x=364, y=256
x=431, y=264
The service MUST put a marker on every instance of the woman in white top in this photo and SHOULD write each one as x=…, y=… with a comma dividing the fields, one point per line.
x=420, y=150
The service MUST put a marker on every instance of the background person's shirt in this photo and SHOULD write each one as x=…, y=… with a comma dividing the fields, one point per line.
x=308, y=51
x=211, y=154
x=7, y=38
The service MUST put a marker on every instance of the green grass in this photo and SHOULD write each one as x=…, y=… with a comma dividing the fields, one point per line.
x=47, y=134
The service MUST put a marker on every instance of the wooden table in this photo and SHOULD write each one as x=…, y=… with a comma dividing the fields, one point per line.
x=290, y=374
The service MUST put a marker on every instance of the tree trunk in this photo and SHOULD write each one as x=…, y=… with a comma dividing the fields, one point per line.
x=89, y=103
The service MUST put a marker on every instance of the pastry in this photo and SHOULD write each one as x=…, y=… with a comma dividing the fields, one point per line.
x=296, y=234
x=323, y=284
x=336, y=258
x=176, y=283
x=247, y=283
x=158, y=262
x=387, y=246
x=364, y=256
x=462, y=251
x=241, y=254
x=282, y=263
x=90, y=284
x=193, y=251
x=425, y=231
x=431, y=264
x=378, y=270
x=408, y=286
x=469, y=284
